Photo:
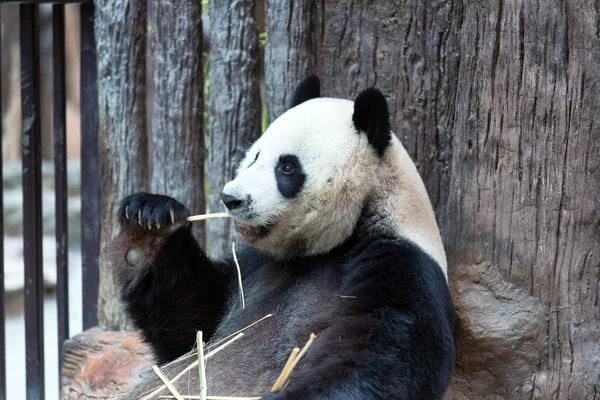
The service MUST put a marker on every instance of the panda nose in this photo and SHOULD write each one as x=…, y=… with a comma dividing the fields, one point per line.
x=231, y=202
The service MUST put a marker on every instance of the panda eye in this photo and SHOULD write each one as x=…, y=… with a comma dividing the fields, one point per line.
x=288, y=168
x=253, y=161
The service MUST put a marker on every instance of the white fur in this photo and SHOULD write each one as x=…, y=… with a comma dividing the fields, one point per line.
x=343, y=172
x=402, y=197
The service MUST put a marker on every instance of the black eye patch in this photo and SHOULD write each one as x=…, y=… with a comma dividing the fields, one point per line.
x=290, y=176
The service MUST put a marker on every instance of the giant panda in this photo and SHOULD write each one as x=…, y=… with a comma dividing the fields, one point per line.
x=340, y=240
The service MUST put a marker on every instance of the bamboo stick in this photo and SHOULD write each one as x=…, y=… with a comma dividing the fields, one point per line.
x=286, y=371
x=167, y=382
x=237, y=264
x=202, y=217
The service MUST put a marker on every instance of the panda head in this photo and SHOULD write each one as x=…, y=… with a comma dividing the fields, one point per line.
x=303, y=186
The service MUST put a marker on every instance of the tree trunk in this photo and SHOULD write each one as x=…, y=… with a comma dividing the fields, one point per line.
x=235, y=107
x=177, y=117
x=120, y=28
x=495, y=103
x=523, y=228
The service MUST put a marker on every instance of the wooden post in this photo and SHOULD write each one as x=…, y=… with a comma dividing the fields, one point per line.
x=120, y=28
x=177, y=116
x=235, y=107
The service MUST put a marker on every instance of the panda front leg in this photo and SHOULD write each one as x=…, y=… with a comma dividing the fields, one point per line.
x=169, y=287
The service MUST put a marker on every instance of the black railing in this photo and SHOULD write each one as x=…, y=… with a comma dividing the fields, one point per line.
x=32, y=201
x=90, y=189
x=60, y=175
x=32, y=188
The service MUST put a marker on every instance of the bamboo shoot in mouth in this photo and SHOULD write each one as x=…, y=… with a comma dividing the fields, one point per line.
x=202, y=217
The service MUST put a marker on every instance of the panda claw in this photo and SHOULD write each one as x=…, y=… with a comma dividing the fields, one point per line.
x=149, y=226
x=172, y=215
x=127, y=211
x=140, y=217
x=157, y=224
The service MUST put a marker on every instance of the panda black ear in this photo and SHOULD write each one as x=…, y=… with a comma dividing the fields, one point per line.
x=371, y=116
x=308, y=88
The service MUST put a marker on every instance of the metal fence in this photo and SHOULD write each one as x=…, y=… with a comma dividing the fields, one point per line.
x=32, y=189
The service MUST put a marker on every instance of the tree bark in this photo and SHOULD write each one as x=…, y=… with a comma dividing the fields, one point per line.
x=120, y=28
x=523, y=225
x=98, y=364
x=10, y=73
x=235, y=107
x=177, y=117
x=495, y=103
x=289, y=50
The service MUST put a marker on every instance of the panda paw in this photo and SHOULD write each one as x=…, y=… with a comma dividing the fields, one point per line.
x=151, y=211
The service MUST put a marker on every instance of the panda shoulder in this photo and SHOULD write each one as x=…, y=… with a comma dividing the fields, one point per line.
x=404, y=270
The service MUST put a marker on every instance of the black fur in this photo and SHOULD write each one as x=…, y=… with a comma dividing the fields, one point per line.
x=371, y=115
x=153, y=209
x=289, y=184
x=308, y=88
x=379, y=305
x=179, y=289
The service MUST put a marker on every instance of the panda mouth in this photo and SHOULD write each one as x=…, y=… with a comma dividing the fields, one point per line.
x=251, y=233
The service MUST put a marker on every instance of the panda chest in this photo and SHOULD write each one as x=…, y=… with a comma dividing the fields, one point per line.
x=298, y=305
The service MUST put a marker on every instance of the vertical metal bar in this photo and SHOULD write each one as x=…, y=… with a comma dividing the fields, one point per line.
x=32, y=201
x=2, y=304
x=60, y=178
x=90, y=190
